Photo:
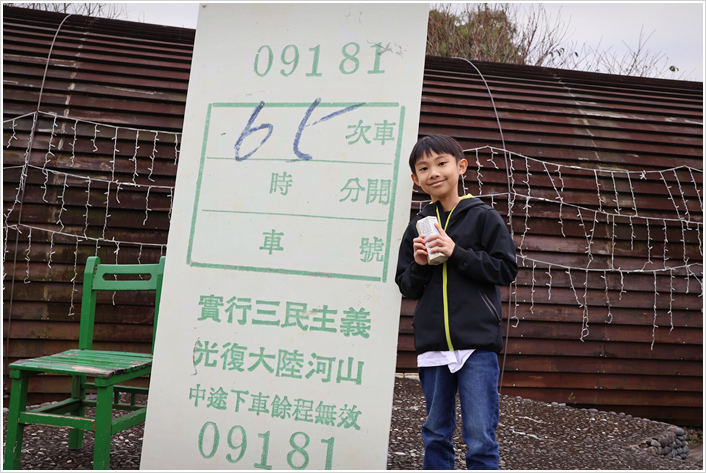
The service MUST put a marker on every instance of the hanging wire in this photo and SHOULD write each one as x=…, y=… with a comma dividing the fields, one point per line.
x=96, y=179
x=509, y=189
x=147, y=205
x=73, y=144
x=115, y=151
x=176, y=148
x=23, y=179
x=93, y=239
x=73, y=280
x=29, y=248
x=598, y=190
x=95, y=137
x=14, y=135
x=607, y=296
x=88, y=204
x=654, y=320
x=154, y=152
x=534, y=280
x=46, y=161
x=134, y=157
x=19, y=199
x=107, y=215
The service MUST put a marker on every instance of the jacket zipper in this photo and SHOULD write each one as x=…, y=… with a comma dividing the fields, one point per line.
x=447, y=329
x=490, y=306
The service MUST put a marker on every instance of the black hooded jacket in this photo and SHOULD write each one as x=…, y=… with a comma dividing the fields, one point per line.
x=460, y=309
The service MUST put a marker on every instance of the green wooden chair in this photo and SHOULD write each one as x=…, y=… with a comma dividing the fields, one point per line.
x=106, y=367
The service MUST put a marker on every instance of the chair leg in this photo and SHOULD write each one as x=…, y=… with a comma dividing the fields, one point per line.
x=104, y=418
x=77, y=392
x=15, y=430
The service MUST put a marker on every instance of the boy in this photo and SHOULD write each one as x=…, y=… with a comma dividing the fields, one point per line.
x=457, y=322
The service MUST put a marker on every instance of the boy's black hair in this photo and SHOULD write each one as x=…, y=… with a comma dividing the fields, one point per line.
x=439, y=144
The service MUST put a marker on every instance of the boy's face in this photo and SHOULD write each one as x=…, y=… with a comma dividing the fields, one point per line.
x=438, y=174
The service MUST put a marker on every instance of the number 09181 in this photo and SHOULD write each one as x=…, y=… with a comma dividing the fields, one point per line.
x=237, y=440
x=289, y=59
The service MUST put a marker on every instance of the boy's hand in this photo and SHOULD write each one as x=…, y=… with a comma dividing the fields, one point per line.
x=420, y=251
x=440, y=243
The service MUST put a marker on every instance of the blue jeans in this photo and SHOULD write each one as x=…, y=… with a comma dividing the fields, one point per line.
x=477, y=385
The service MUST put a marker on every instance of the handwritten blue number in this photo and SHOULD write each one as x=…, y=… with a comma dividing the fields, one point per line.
x=303, y=124
x=249, y=131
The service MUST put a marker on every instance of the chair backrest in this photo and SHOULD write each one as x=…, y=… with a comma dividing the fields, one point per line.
x=101, y=277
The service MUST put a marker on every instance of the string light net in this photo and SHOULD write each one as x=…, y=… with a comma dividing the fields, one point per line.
x=83, y=188
x=91, y=182
x=593, y=244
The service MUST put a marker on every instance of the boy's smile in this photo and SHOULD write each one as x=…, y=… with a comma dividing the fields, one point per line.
x=437, y=175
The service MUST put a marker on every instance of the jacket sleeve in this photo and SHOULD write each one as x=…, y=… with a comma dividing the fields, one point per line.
x=496, y=262
x=411, y=277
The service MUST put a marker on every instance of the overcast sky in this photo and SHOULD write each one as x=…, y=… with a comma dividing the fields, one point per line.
x=675, y=29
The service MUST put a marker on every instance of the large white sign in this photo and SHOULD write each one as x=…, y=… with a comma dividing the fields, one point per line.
x=278, y=324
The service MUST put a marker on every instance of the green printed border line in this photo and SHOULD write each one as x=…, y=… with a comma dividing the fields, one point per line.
x=285, y=271
x=192, y=263
x=304, y=104
x=285, y=160
x=395, y=171
x=291, y=215
x=198, y=185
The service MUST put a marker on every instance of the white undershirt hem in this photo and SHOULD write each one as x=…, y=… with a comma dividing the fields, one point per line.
x=453, y=359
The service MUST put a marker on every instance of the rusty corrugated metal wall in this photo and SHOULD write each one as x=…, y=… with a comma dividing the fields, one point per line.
x=101, y=72
x=603, y=344
x=604, y=337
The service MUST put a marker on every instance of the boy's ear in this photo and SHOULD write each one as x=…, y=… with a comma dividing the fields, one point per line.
x=415, y=179
x=462, y=166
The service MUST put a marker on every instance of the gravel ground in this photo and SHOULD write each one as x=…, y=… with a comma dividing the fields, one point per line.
x=536, y=435
x=532, y=435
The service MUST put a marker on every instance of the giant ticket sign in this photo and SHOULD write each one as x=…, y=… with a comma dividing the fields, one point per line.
x=277, y=334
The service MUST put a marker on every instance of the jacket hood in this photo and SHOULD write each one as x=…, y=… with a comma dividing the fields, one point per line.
x=467, y=202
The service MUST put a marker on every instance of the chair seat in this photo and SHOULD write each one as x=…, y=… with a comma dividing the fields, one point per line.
x=92, y=363
x=108, y=371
